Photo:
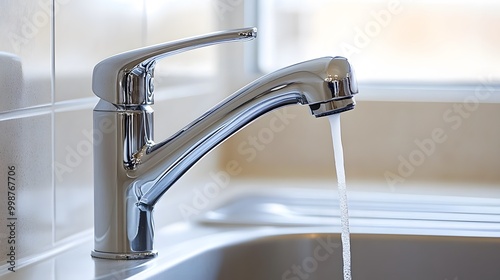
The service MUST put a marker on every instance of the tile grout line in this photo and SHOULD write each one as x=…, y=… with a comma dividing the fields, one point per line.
x=85, y=103
x=53, y=130
x=60, y=106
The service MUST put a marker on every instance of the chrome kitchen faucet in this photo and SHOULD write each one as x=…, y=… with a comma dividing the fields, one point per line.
x=132, y=172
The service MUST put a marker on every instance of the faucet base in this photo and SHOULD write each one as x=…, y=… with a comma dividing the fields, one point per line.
x=125, y=256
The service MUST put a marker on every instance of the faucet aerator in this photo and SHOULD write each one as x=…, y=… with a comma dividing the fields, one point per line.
x=332, y=107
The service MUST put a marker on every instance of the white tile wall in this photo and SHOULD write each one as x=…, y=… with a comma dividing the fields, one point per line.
x=88, y=32
x=26, y=39
x=73, y=171
x=46, y=62
x=26, y=133
x=21, y=141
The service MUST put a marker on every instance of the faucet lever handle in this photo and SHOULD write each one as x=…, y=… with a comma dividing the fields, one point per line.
x=127, y=78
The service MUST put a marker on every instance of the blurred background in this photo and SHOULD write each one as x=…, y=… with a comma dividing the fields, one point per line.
x=426, y=119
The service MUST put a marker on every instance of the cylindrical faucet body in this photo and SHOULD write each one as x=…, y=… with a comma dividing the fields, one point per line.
x=122, y=229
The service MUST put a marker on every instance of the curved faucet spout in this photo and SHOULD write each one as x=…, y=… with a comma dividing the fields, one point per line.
x=132, y=172
x=326, y=84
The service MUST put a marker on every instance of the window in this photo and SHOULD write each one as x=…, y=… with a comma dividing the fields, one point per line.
x=395, y=42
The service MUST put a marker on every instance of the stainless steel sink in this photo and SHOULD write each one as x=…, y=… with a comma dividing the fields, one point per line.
x=293, y=235
x=295, y=256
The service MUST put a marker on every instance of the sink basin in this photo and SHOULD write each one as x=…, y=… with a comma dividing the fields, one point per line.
x=294, y=235
x=284, y=236
x=295, y=256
